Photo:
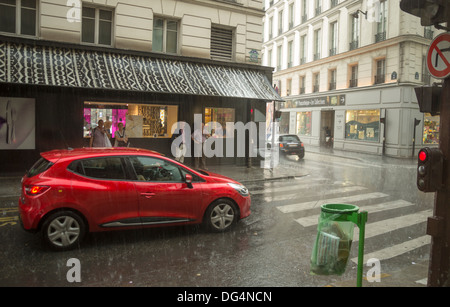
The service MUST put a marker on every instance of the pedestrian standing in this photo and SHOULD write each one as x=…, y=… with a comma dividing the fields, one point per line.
x=181, y=150
x=121, y=139
x=99, y=136
x=199, y=137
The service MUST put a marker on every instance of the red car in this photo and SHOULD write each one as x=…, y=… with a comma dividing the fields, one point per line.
x=68, y=193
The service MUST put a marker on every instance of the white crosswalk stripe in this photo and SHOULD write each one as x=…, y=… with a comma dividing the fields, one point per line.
x=390, y=205
x=396, y=250
x=386, y=226
x=316, y=204
x=295, y=194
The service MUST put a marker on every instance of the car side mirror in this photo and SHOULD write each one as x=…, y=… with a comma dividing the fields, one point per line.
x=188, y=180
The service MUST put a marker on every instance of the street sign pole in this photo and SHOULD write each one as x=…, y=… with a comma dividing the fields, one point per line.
x=439, y=224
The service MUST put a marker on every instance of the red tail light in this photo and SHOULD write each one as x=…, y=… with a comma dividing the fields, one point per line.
x=35, y=190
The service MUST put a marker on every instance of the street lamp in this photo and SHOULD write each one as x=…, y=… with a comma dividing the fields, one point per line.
x=431, y=12
x=355, y=14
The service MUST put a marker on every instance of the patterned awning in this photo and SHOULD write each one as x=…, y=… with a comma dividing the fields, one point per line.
x=73, y=67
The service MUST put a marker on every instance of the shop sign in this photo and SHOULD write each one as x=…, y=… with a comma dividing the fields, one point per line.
x=253, y=56
x=320, y=101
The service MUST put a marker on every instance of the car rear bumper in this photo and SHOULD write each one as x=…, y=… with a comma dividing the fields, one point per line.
x=293, y=151
x=29, y=218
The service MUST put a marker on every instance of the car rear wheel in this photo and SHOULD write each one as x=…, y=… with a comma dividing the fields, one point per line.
x=63, y=230
x=221, y=215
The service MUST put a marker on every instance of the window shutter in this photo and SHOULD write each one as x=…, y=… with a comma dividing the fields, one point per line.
x=221, y=44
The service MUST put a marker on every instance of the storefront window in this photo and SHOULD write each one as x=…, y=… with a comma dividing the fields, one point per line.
x=431, y=129
x=303, y=123
x=139, y=120
x=362, y=125
x=284, y=123
x=218, y=119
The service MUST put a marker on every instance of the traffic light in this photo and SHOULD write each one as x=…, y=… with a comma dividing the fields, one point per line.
x=429, y=169
x=429, y=98
x=431, y=12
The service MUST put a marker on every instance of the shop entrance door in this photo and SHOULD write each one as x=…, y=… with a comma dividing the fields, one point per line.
x=327, y=128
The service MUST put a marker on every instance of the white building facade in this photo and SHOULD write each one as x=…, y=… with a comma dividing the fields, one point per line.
x=350, y=67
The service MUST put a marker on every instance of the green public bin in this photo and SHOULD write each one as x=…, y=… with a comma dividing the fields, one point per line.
x=331, y=250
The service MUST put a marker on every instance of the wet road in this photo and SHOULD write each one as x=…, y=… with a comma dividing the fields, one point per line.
x=270, y=248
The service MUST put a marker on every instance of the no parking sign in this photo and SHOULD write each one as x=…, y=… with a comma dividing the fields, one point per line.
x=438, y=56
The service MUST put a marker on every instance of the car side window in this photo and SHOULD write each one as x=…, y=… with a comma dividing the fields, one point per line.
x=195, y=178
x=102, y=168
x=154, y=169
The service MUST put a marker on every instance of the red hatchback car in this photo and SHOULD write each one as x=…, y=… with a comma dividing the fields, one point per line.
x=68, y=193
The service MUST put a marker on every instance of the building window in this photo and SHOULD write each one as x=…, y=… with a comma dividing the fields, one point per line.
x=290, y=54
x=363, y=125
x=304, y=11
x=316, y=82
x=217, y=119
x=18, y=16
x=139, y=120
x=302, y=85
x=318, y=7
x=303, y=49
x=332, y=77
x=353, y=76
x=317, y=45
x=426, y=76
x=381, y=71
x=279, y=57
x=288, y=86
x=269, y=58
x=381, y=23
x=280, y=22
x=291, y=15
x=354, y=32
x=333, y=38
x=428, y=32
x=270, y=28
x=221, y=44
x=431, y=129
x=165, y=35
x=303, y=123
x=96, y=26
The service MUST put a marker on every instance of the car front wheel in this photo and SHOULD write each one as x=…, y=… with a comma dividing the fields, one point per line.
x=221, y=215
x=63, y=230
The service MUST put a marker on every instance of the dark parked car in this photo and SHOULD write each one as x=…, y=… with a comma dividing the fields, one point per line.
x=289, y=144
x=68, y=193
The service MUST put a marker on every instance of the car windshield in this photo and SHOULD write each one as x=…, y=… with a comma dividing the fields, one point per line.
x=289, y=138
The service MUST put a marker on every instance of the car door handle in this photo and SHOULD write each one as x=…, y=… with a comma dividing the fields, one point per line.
x=148, y=194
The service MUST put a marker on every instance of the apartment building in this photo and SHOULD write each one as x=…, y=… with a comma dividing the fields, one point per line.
x=350, y=67
x=65, y=64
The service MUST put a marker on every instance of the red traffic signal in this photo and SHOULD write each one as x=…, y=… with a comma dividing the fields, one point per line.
x=429, y=169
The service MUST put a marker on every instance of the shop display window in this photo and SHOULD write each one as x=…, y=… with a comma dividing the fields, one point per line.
x=303, y=123
x=431, y=129
x=218, y=118
x=363, y=125
x=139, y=120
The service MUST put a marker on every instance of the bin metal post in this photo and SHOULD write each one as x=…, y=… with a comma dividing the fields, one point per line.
x=360, y=220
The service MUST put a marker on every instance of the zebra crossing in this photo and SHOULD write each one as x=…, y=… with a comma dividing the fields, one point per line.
x=299, y=200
